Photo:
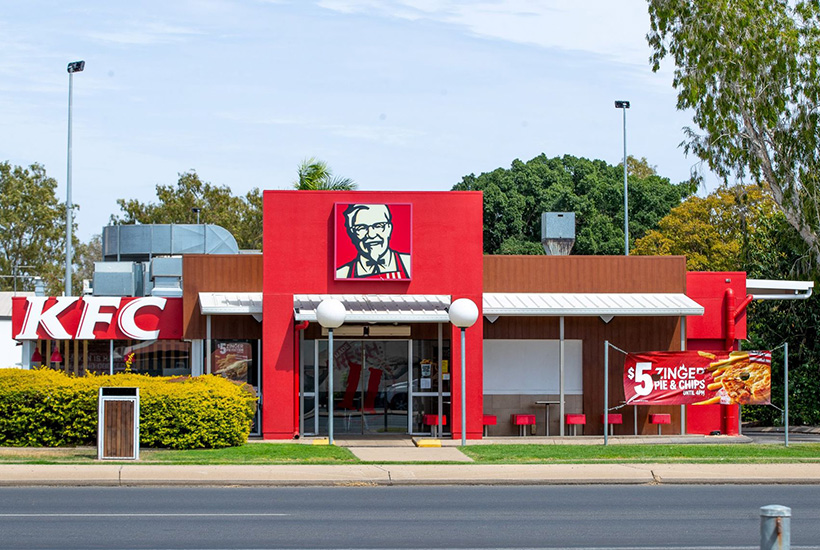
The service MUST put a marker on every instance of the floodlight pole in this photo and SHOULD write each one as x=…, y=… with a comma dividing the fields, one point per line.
x=73, y=67
x=606, y=392
x=786, y=392
x=625, y=105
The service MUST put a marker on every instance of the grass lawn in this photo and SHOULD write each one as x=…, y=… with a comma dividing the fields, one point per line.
x=588, y=454
x=253, y=453
x=288, y=453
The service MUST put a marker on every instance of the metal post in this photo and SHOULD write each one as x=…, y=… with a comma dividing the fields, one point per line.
x=208, y=349
x=775, y=527
x=606, y=392
x=463, y=389
x=786, y=392
x=561, y=408
x=68, y=207
x=439, y=410
x=330, y=386
x=626, y=196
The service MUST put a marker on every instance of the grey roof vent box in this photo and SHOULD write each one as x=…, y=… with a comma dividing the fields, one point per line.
x=558, y=232
x=139, y=243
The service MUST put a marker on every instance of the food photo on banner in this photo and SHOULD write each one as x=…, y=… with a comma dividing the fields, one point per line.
x=698, y=378
x=373, y=241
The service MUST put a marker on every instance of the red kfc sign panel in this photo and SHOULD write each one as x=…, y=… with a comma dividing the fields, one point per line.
x=698, y=377
x=97, y=318
x=373, y=241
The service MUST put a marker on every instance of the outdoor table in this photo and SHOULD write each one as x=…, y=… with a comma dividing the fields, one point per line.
x=547, y=414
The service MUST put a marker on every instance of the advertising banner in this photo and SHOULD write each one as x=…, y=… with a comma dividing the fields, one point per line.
x=698, y=378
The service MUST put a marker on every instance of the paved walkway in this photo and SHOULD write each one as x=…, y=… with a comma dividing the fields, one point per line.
x=419, y=468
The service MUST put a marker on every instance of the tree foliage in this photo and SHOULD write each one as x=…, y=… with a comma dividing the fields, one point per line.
x=739, y=228
x=716, y=232
x=515, y=198
x=32, y=228
x=749, y=71
x=316, y=175
x=241, y=216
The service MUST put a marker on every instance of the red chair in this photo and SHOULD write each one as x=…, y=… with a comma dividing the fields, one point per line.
x=660, y=420
x=432, y=421
x=489, y=420
x=576, y=420
x=522, y=421
x=613, y=419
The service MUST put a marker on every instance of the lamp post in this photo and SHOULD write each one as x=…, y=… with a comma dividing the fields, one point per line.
x=620, y=104
x=331, y=314
x=196, y=210
x=463, y=314
x=73, y=67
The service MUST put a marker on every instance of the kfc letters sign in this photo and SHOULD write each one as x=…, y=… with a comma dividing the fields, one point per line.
x=97, y=318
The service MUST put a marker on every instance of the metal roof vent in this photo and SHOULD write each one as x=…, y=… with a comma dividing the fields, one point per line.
x=139, y=243
x=558, y=232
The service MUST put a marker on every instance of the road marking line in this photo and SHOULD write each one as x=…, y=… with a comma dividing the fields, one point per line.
x=106, y=515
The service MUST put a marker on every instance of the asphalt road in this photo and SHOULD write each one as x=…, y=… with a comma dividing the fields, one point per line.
x=661, y=517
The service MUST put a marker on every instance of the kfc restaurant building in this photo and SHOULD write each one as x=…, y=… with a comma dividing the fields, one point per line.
x=397, y=260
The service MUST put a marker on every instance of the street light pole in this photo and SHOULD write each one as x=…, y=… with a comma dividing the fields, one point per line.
x=331, y=314
x=463, y=314
x=625, y=105
x=73, y=67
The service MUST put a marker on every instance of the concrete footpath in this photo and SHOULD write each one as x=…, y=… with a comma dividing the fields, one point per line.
x=401, y=461
x=405, y=474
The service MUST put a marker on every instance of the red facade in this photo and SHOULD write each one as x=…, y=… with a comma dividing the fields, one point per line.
x=299, y=258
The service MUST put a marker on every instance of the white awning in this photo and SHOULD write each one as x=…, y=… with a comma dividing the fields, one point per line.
x=231, y=303
x=589, y=304
x=378, y=308
x=766, y=289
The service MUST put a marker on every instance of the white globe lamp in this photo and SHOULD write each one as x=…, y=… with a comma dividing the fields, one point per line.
x=330, y=314
x=463, y=314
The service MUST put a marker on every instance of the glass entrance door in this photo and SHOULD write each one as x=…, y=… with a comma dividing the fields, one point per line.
x=370, y=386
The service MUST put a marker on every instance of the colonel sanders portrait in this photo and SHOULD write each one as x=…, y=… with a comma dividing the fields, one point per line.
x=370, y=227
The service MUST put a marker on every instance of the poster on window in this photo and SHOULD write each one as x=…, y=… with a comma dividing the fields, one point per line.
x=698, y=378
x=231, y=360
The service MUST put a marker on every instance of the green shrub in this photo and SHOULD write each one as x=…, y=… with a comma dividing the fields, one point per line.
x=47, y=408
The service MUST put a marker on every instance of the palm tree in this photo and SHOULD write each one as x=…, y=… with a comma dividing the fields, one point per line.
x=315, y=175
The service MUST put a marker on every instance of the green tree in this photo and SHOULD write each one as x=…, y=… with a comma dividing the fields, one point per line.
x=739, y=228
x=713, y=232
x=242, y=216
x=515, y=198
x=749, y=72
x=32, y=228
x=316, y=175
x=85, y=254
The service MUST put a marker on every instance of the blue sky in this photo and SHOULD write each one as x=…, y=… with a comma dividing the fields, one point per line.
x=396, y=94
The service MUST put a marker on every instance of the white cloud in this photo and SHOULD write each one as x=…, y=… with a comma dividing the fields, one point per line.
x=606, y=28
x=146, y=34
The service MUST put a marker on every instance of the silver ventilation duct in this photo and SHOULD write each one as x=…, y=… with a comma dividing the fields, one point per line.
x=558, y=232
x=140, y=243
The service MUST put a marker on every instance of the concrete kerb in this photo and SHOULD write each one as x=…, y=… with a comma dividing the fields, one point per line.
x=406, y=474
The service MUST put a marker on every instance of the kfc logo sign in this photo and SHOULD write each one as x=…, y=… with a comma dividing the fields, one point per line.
x=97, y=318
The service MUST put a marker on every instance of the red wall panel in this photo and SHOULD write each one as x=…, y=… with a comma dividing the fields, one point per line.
x=447, y=256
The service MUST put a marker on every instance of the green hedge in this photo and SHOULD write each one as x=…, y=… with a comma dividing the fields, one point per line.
x=46, y=408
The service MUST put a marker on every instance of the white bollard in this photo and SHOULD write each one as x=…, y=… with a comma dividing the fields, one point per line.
x=775, y=527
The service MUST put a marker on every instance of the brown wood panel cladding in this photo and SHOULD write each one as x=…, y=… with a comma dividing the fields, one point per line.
x=584, y=274
x=630, y=334
x=220, y=273
x=118, y=439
